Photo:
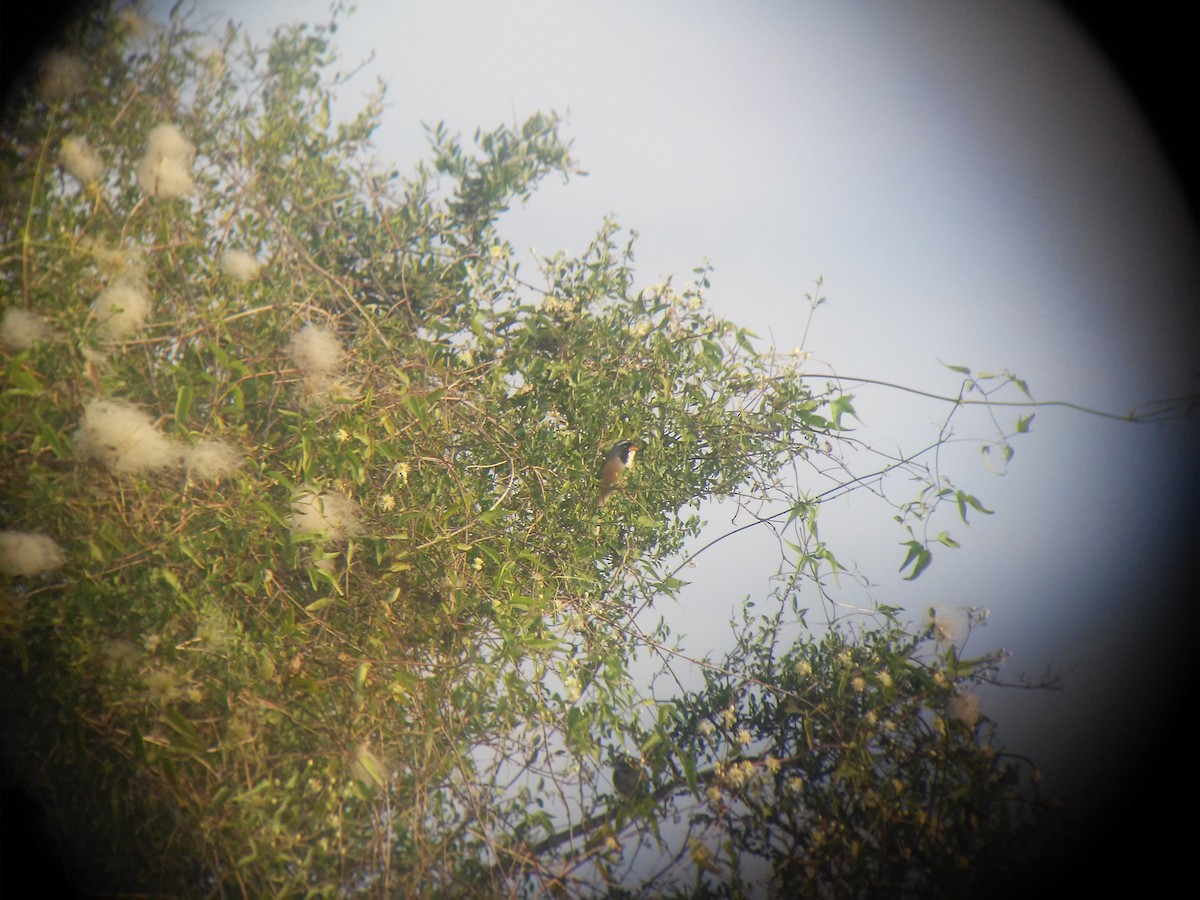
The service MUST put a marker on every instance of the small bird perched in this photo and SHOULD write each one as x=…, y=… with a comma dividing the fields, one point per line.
x=629, y=776
x=619, y=458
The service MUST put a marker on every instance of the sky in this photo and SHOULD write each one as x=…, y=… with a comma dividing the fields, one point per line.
x=975, y=185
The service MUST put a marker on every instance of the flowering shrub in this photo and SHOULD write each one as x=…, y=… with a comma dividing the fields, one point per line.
x=309, y=589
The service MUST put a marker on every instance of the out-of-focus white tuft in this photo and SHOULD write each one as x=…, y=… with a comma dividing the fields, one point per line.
x=123, y=438
x=136, y=23
x=330, y=514
x=240, y=265
x=966, y=707
x=113, y=262
x=29, y=553
x=94, y=362
x=212, y=460
x=80, y=160
x=119, y=654
x=21, y=329
x=121, y=308
x=316, y=351
x=166, y=169
x=948, y=625
x=60, y=76
x=318, y=354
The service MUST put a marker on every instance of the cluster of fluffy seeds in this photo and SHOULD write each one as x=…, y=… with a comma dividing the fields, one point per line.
x=966, y=707
x=123, y=438
x=121, y=308
x=21, y=329
x=138, y=26
x=165, y=171
x=318, y=354
x=115, y=433
x=949, y=626
x=113, y=262
x=80, y=161
x=60, y=76
x=28, y=553
x=330, y=514
x=240, y=265
x=212, y=460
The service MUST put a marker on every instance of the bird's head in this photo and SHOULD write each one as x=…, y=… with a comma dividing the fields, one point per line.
x=624, y=452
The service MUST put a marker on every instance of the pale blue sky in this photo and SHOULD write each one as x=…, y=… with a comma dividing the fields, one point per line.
x=975, y=186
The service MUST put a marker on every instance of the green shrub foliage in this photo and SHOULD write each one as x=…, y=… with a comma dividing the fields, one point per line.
x=308, y=590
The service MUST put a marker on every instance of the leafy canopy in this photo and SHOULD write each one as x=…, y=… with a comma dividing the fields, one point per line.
x=337, y=610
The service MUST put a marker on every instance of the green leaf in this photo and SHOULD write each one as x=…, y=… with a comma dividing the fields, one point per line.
x=170, y=578
x=670, y=585
x=918, y=557
x=799, y=510
x=367, y=769
x=964, y=500
x=139, y=744
x=945, y=539
x=184, y=729
x=1023, y=423
x=712, y=351
x=24, y=381
x=220, y=795
x=840, y=406
x=689, y=773
x=183, y=402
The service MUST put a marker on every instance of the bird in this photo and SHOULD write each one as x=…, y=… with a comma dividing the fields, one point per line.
x=629, y=776
x=619, y=458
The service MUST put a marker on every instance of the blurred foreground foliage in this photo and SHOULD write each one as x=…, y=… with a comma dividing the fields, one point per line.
x=393, y=651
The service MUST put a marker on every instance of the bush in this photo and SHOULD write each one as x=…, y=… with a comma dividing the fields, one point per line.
x=310, y=588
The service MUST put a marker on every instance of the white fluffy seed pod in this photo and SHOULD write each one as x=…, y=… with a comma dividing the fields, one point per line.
x=80, y=161
x=123, y=438
x=165, y=171
x=240, y=265
x=60, y=76
x=121, y=308
x=316, y=352
x=966, y=707
x=212, y=460
x=21, y=329
x=29, y=553
x=330, y=514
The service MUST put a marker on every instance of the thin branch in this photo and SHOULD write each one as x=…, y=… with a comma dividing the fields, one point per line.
x=1152, y=411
